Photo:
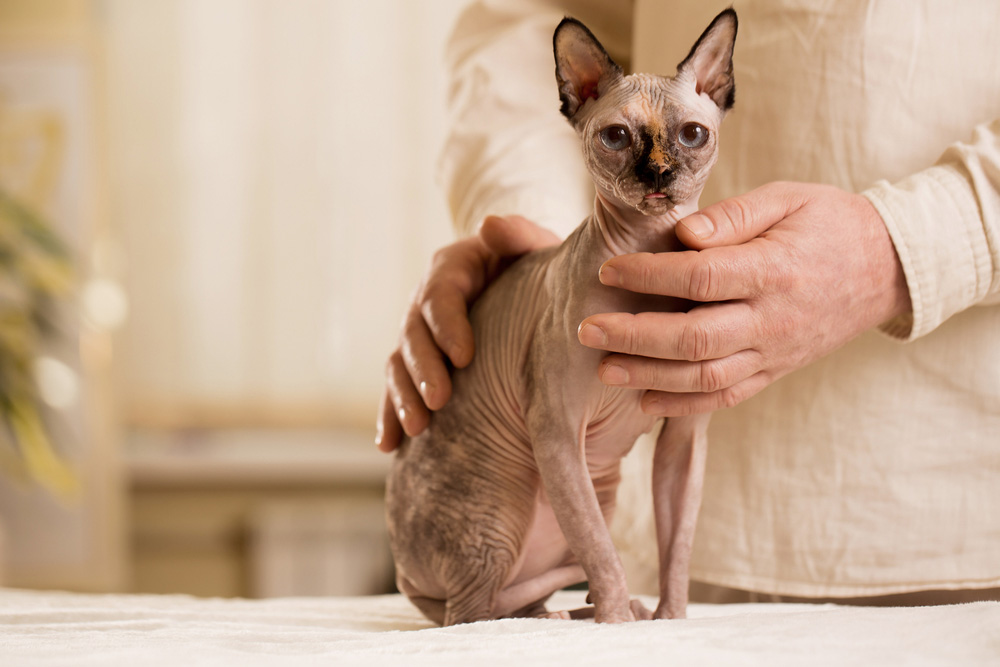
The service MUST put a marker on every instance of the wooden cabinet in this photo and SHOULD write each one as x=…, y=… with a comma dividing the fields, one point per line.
x=258, y=513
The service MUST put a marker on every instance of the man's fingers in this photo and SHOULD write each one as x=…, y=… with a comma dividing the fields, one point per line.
x=679, y=376
x=446, y=314
x=424, y=362
x=406, y=401
x=662, y=404
x=513, y=235
x=388, y=432
x=716, y=274
x=711, y=331
x=741, y=218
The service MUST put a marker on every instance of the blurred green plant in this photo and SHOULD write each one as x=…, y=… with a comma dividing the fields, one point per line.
x=35, y=271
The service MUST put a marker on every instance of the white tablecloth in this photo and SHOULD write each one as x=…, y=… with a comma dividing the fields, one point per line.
x=46, y=628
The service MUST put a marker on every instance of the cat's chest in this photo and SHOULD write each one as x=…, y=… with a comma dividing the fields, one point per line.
x=614, y=423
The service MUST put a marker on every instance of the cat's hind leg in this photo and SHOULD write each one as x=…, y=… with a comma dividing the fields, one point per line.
x=527, y=598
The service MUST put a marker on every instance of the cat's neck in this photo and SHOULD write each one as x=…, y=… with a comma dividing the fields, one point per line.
x=626, y=230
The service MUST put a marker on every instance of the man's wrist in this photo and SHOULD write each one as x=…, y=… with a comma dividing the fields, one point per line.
x=892, y=290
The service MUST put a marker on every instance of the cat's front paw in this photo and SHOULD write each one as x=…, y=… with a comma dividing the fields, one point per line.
x=618, y=613
x=639, y=611
x=667, y=610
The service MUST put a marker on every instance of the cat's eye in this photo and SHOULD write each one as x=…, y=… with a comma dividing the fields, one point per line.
x=616, y=137
x=692, y=135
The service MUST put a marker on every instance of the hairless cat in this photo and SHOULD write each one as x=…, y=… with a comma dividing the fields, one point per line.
x=505, y=497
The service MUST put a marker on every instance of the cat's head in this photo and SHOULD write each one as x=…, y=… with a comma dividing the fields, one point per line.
x=649, y=141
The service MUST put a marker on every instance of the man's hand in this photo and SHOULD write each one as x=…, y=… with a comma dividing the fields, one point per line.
x=437, y=323
x=787, y=273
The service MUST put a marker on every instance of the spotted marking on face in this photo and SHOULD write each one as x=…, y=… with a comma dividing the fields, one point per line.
x=657, y=153
x=656, y=172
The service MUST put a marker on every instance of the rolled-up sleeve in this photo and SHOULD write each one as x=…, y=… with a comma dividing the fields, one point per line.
x=945, y=224
x=507, y=147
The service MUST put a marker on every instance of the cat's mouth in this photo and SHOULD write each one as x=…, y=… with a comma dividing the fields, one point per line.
x=655, y=203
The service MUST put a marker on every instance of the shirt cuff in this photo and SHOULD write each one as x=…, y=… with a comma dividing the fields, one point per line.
x=934, y=221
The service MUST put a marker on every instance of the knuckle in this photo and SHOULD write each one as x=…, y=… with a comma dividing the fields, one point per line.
x=449, y=283
x=437, y=286
x=641, y=373
x=761, y=281
x=427, y=314
x=413, y=366
x=693, y=343
x=630, y=340
x=647, y=278
x=439, y=258
x=738, y=214
x=732, y=396
x=730, y=399
x=703, y=278
x=394, y=362
x=712, y=376
x=641, y=274
x=438, y=315
x=412, y=323
x=444, y=254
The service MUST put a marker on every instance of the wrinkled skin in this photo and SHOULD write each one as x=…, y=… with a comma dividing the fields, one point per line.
x=505, y=497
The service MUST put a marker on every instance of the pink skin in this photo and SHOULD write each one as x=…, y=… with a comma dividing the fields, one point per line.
x=790, y=271
x=766, y=269
x=437, y=326
x=532, y=437
x=506, y=496
x=544, y=449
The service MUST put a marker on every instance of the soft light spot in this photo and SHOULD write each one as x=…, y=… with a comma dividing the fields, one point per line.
x=104, y=303
x=58, y=385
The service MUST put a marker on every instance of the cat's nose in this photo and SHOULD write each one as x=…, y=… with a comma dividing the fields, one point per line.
x=661, y=175
x=656, y=173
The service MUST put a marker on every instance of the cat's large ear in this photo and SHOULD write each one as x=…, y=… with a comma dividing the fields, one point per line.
x=583, y=67
x=711, y=60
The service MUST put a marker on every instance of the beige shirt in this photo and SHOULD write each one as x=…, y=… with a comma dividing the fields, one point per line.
x=876, y=469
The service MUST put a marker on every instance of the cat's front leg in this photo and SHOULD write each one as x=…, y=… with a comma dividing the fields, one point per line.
x=678, y=477
x=558, y=445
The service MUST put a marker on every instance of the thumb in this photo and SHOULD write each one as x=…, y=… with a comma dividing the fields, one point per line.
x=739, y=219
x=513, y=235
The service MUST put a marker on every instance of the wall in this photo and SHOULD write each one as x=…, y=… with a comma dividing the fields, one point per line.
x=272, y=164
x=248, y=186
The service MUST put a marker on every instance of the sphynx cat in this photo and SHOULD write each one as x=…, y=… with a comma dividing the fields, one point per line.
x=506, y=496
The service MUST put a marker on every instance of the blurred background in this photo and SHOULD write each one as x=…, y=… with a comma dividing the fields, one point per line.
x=212, y=213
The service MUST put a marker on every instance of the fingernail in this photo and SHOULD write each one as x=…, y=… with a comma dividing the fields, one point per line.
x=614, y=375
x=609, y=275
x=378, y=438
x=592, y=335
x=402, y=415
x=699, y=226
x=425, y=389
